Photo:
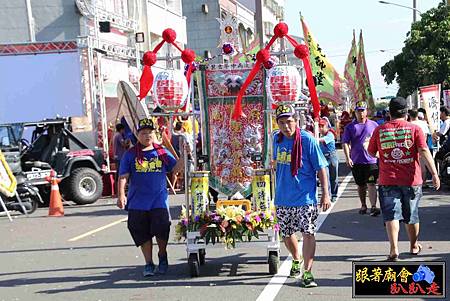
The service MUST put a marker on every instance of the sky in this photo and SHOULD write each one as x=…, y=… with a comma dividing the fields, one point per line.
x=332, y=22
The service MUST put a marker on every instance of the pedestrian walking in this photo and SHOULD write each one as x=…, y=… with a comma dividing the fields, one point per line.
x=328, y=147
x=145, y=166
x=298, y=160
x=364, y=167
x=414, y=119
x=120, y=146
x=399, y=145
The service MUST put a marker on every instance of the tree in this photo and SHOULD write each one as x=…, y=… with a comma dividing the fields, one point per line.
x=425, y=58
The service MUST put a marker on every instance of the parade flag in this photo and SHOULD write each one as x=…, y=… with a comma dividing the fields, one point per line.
x=363, y=89
x=350, y=69
x=446, y=94
x=328, y=81
x=429, y=96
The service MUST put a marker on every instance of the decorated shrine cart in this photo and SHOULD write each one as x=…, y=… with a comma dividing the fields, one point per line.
x=236, y=139
x=238, y=160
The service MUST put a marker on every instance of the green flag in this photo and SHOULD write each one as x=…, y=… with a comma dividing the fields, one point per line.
x=328, y=80
x=350, y=69
x=363, y=89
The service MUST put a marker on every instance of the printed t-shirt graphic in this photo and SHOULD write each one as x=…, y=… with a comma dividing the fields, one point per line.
x=301, y=189
x=148, y=188
x=398, y=144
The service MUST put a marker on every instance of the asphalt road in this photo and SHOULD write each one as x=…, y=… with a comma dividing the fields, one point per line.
x=38, y=260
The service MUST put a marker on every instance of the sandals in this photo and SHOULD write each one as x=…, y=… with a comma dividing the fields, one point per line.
x=419, y=246
x=392, y=258
x=363, y=210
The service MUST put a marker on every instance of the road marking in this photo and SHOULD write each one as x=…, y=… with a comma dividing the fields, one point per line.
x=273, y=287
x=98, y=229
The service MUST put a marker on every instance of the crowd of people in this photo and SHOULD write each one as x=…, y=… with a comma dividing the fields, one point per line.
x=393, y=154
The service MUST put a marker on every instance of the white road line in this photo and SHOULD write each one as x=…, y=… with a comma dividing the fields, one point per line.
x=98, y=229
x=276, y=283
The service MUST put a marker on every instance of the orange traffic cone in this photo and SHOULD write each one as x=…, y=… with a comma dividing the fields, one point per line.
x=56, y=207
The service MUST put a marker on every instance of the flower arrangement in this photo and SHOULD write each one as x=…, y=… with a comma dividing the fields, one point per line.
x=227, y=224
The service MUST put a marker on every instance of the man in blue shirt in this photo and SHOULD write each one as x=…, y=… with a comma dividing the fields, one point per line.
x=298, y=159
x=328, y=148
x=145, y=167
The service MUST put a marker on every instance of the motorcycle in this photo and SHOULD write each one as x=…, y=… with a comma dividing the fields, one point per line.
x=28, y=194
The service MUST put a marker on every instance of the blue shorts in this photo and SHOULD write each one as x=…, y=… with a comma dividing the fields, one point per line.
x=400, y=203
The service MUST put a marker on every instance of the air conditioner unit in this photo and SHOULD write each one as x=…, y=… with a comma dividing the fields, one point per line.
x=205, y=8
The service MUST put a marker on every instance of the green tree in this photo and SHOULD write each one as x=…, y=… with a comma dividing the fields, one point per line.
x=425, y=58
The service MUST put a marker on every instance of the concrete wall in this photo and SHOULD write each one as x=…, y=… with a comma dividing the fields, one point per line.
x=13, y=21
x=203, y=30
x=54, y=20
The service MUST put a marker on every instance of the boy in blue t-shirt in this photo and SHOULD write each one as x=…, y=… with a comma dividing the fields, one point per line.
x=298, y=160
x=145, y=167
x=328, y=148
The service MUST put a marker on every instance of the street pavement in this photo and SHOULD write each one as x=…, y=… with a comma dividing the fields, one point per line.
x=44, y=258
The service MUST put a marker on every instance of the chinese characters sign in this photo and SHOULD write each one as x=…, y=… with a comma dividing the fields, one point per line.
x=430, y=102
x=261, y=189
x=399, y=279
x=446, y=94
x=199, y=192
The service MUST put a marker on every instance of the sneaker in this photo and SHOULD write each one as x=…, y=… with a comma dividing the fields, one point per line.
x=333, y=199
x=149, y=270
x=308, y=279
x=295, y=269
x=374, y=211
x=163, y=264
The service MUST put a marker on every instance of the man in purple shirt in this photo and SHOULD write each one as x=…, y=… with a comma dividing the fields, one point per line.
x=364, y=167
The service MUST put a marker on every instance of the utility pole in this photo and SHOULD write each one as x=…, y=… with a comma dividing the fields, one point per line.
x=414, y=11
x=30, y=21
x=259, y=22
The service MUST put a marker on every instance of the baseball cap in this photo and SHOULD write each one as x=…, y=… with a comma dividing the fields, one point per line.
x=360, y=105
x=146, y=123
x=398, y=104
x=284, y=111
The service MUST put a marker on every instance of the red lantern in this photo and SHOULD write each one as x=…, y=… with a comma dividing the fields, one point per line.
x=170, y=90
x=283, y=84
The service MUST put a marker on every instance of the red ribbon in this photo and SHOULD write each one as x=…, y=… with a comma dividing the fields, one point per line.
x=280, y=31
x=146, y=80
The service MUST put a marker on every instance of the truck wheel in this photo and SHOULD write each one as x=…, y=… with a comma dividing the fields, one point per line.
x=85, y=186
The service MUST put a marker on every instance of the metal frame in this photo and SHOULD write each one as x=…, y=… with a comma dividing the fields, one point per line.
x=194, y=243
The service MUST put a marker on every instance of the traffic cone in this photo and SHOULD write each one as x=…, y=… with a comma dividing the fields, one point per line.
x=56, y=207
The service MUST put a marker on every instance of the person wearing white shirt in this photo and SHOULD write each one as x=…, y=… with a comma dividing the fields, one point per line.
x=414, y=118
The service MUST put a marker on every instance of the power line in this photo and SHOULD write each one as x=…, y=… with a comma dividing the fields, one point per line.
x=368, y=52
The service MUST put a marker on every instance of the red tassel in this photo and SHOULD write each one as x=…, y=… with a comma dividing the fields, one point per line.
x=238, y=113
x=146, y=82
x=312, y=88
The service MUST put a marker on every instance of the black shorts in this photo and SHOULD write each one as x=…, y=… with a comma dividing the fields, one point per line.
x=143, y=225
x=365, y=174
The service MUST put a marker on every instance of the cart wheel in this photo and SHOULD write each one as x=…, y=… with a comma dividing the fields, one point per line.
x=201, y=256
x=274, y=262
x=194, y=267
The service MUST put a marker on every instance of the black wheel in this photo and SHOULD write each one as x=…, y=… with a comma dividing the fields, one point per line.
x=85, y=186
x=29, y=204
x=201, y=256
x=194, y=267
x=274, y=262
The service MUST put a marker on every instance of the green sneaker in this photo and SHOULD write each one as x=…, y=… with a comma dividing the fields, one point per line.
x=308, y=279
x=295, y=269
